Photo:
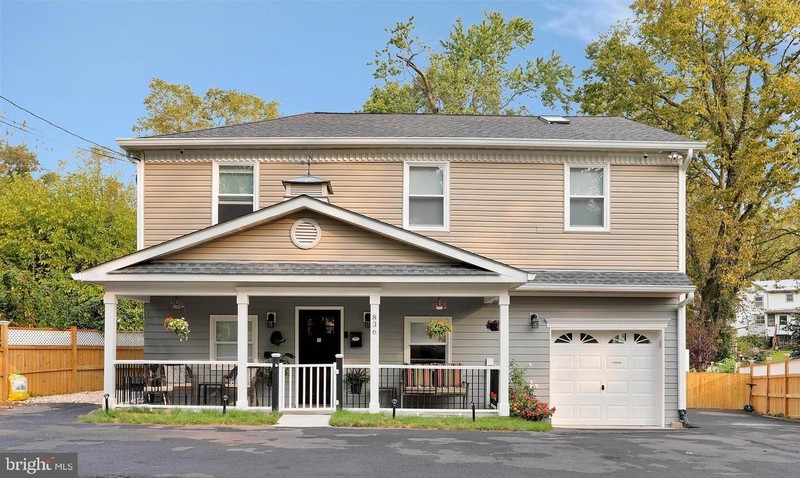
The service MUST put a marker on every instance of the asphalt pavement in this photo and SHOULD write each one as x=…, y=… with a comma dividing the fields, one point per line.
x=724, y=444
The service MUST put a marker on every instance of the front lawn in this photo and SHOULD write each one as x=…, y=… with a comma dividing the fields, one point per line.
x=343, y=418
x=145, y=416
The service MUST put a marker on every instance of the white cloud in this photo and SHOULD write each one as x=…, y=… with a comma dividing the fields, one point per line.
x=585, y=19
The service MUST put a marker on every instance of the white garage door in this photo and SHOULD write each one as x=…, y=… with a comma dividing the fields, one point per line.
x=602, y=378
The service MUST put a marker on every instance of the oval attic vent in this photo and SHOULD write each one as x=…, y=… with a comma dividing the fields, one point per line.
x=305, y=233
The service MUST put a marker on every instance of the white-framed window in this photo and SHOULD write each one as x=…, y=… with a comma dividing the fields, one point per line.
x=770, y=320
x=790, y=297
x=419, y=348
x=234, y=190
x=758, y=301
x=586, y=197
x=760, y=319
x=783, y=320
x=426, y=196
x=224, y=335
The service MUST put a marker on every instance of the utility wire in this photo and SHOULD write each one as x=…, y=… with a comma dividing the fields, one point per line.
x=59, y=127
x=99, y=153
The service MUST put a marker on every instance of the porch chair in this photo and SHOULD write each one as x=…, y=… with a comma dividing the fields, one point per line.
x=181, y=379
x=157, y=384
x=228, y=386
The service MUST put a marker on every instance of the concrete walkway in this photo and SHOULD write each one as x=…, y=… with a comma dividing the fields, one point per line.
x=303, y=421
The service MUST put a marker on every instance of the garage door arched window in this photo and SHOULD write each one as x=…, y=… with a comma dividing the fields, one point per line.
x=588, y=339
x=564, y=339
x=640, y=339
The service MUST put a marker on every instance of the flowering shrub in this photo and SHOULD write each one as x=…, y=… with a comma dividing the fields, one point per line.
x=493, y=399
x=179, y=326
x=524, y=404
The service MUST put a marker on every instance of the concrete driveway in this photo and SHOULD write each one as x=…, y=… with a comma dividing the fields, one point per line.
x=725, y=444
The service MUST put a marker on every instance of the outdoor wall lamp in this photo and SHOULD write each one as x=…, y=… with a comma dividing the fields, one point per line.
x=271, y=319
x=367, y=316
x=534, y=321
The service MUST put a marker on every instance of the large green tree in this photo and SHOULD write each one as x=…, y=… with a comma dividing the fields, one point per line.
x=52, y=227
x=469, y=73
x=172, y=108
x=725, y=72
x=16, y=159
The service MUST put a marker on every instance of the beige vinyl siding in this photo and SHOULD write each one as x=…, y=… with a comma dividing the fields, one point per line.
x=514, y=213
x=371, y=189
x=530, y=348
x=177, y=200
x=339, y=242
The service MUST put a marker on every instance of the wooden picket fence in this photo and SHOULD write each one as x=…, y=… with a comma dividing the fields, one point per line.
x=57, y=369
x=727, y=391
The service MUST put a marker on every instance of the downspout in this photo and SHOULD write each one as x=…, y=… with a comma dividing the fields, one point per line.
x=683, y=353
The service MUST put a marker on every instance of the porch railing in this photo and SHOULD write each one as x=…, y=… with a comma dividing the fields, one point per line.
x=429, y=387
x=174, y=382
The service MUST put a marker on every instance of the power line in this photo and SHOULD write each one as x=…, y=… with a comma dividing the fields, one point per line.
x=59, y=127
x=99, y=153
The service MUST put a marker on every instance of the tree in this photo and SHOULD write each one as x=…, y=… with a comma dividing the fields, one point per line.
x=16, y=159
x=725, y=72
x=470, y=74
x=51, y=229
x=172, y=108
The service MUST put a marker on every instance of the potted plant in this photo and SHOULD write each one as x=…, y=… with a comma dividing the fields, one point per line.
x=438, y=329
x=179, y=326
x=356, y=377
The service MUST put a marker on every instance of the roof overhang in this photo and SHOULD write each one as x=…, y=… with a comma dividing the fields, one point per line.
x=139, y=144
x=605, y=288
x=104, y=273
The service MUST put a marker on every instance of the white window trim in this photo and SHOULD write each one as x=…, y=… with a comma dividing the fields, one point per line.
x=212, y=335
x=406, y=189
x=755, y=301
x=790, y=297
x=606, y=199
x=215, y=186
x=408, y=320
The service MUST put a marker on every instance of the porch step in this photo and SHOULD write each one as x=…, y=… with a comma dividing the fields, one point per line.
x=304, y=420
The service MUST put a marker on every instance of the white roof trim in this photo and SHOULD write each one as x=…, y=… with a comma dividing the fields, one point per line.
x=133, y=144
x=547, y=287
x=100, y=273
x=649, y=323
x=297, y=278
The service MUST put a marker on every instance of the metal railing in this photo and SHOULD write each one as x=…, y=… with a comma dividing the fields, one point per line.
x=174, y=382
x=308, y=386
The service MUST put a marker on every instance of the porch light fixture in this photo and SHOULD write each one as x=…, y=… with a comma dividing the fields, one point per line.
x=177, y=303
x=439, y=304
x=534, y=321
x=367, y=316
x=271, y=319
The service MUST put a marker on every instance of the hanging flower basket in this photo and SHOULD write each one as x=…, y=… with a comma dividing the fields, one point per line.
x=179, y=326
x=438, y=329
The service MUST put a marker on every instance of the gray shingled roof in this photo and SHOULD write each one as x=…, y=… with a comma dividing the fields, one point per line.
x=562, y=277
x=303, y=268
x=364, y=125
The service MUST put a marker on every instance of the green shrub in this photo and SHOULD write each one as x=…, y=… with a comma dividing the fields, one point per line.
x=727, y=366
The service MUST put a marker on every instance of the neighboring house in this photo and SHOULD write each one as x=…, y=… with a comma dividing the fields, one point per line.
x=767, y=307
x=554, y=242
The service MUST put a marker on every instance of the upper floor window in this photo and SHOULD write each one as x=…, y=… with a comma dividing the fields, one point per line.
x=790, y=297
x=426, y=198
x=235, y=191
x=586, y=200
x=758, y=301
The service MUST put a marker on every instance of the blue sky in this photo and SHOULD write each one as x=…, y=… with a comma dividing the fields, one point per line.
x=86, y=65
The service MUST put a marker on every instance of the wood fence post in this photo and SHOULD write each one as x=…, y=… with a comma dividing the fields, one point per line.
x=73, y=341
x=6, y=360
x=769, y=369
x=786, y=385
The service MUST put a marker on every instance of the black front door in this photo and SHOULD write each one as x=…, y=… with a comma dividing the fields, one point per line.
x=319, y=340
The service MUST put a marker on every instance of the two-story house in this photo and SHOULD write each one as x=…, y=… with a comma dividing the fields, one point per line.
x=766, y=308
x=553, y=242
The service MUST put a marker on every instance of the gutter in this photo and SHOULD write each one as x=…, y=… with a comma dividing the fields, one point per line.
x=130, y=144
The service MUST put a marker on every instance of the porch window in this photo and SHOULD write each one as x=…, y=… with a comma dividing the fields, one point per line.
x=770, y=320
x=235, y=195
x=426, y=196
x=223, y=337
x=783, y=319
x=760, y=319
x=586, y=204
x=419, y=348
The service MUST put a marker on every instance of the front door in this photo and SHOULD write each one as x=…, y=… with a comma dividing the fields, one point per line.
x=319, y=340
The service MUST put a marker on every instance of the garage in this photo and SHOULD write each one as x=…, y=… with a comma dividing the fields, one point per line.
x=606, y=378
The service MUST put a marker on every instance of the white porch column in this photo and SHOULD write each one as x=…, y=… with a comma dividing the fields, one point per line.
x=505, y=338
x=110, y=348
x=243, y=303
x=683, y=365
x=374, y=353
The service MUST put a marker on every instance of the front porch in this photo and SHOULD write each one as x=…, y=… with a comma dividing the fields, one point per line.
x=386, y=361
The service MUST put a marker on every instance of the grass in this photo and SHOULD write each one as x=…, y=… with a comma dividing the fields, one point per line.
x=779, y=355
x=343, y=418
x=144, y=416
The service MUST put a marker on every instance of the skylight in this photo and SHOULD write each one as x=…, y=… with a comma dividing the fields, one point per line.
x=554, y=119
